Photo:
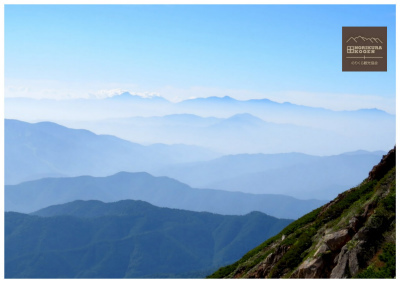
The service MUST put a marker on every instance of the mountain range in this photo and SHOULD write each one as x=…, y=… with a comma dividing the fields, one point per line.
x=39, y=150
x=294, y=174
x=127, y=239
x=141, y=187
x=302, y=128
x=245, y=132
x=30, y=196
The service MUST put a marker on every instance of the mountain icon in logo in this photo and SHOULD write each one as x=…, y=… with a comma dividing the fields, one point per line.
x=371, y=39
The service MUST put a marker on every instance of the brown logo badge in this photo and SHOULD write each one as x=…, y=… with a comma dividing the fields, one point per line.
x=364, y=49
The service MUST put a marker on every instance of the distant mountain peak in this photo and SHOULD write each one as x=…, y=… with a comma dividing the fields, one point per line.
x=128, y=96
x=212, y=99
x=130, y=174
x=245, y=117
x=226, y=98
x=124, y=95
x=239, y=120
x=372, y=110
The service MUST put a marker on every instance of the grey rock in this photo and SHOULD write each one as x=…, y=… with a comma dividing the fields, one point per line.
x=311, y=268
x=268, y=263
x=321, y=250
x=354, y=265
x=339, y=271
x=337, y=240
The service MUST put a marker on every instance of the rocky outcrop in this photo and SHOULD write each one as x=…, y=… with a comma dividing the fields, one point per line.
x=354, y=263
x=351, y=260
x=337, y=240
x=322, y=250
x=263, y=269
x=341, y=261
x=324, y=259
x=310, y=268
x=388, y=161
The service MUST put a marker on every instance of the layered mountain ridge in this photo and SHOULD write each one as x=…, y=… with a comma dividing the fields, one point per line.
x=304, y=129
x=46, y=149
x=40, y=150
x=127, y=239
x=30, y=196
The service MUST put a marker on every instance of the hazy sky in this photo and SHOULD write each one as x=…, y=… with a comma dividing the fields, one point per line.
x=281, y=52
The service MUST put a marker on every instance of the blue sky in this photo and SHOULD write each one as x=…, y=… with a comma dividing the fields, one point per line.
x=281, y=52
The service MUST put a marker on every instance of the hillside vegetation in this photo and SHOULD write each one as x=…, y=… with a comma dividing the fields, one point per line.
x=128, y=239
x=352, y=236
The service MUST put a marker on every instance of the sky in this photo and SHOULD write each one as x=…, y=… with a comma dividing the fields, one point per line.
x=281, y=52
